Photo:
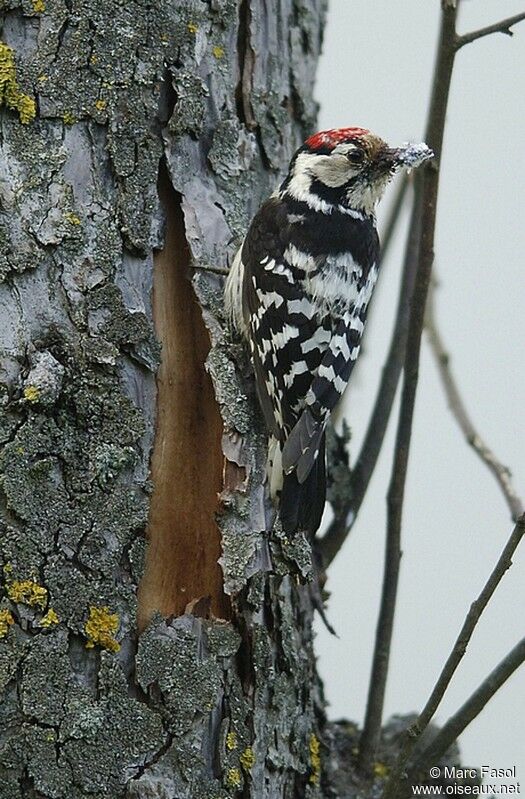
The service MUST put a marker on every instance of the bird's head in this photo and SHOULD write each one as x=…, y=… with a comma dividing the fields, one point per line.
x=349, y=167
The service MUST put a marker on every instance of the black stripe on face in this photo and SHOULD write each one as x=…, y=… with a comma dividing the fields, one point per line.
x=333, y=195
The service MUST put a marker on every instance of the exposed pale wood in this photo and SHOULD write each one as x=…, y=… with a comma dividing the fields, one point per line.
x=187, y=462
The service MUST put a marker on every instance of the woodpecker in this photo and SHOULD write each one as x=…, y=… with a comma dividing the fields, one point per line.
x=298, y=291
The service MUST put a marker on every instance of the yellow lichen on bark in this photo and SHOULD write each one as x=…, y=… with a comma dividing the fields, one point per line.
x=247, y=759
x=315, y=759
x=31, y=394
x=6, y=620
x=72, y=218
x=233, y=778
x=49, y=619
x=100, y=629
x=381, y=770
x=10, y=94
x=27, y=592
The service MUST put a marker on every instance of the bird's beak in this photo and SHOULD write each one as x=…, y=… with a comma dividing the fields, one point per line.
x=409, y=156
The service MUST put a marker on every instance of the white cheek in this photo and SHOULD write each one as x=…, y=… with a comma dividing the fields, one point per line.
x=334, y=171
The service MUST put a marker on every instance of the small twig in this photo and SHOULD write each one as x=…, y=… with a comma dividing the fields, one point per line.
x=343, y=522
x=476, y=609
x=469, y=625
x=468, y=712
x=504, y=26
x=434, y=137
x=456, y=405
x=217, y=270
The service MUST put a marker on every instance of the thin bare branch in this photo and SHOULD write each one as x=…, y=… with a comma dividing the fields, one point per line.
x=469, y=625
x=343, y=522
x=468, y=712
x=457, y=406
x=434, y=137
x=504, y=26
x=217, y=270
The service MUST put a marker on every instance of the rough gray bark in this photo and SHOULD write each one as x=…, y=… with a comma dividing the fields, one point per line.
x=98, y=100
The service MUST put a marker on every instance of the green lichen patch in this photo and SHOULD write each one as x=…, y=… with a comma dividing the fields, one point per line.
x=110, y=318
x=189, y=112
x=33, y=479
x=170, y=659
x=223, y=639
x=45, y=677
x=50, y=774
x=233, y=149
x=13, y=648
x=44, y=381
x=124, y=735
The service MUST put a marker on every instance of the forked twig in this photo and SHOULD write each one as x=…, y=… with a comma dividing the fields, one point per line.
x=474, y=614
x=504, y=26
x=457, y=406
x=469, y=710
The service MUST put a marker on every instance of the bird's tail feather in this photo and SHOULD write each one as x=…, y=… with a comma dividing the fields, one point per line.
x=302, y=445
x=302, y=503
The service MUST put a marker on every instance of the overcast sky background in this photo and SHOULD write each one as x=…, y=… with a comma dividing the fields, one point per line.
x=376, y=72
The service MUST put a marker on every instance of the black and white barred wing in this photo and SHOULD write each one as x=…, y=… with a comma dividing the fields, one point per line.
x=256, y=292
x=288, y=342
x=286, y=337
x=327, y=387
x=338, y=359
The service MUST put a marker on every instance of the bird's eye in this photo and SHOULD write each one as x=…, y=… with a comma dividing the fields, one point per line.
x=356, y=156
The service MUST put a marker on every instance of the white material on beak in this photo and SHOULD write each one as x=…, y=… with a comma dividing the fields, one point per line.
x=413, y=155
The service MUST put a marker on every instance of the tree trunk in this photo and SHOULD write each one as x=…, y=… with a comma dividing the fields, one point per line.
x=138, y=140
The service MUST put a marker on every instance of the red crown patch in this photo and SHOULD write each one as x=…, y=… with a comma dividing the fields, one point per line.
x=331, y=138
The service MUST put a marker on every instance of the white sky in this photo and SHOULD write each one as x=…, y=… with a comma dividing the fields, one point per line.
x=376, y=72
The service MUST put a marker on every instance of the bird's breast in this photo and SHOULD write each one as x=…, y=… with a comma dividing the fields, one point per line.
x=340, y=285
